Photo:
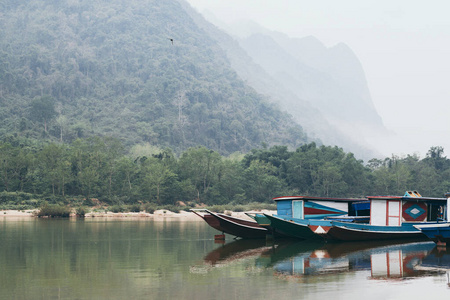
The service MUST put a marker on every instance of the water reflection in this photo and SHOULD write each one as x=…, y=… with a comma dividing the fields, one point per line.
x=437, y=261
x=385, y=261
x=236, y=250
x=106, y=259
x=391, y=261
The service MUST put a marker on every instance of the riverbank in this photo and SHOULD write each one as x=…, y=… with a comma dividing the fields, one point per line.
x=157, y=215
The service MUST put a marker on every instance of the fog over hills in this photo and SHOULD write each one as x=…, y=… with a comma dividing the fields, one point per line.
x=323, y=88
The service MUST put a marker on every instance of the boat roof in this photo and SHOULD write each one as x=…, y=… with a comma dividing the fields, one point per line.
x=405, y=198
x=319, y=199
x=409, y=195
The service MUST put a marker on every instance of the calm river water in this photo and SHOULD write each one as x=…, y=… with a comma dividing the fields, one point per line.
x=145, y=259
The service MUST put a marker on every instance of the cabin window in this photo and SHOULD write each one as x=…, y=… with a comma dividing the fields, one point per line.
x=297, y=209
x=436, y=212
x=359, y=209
x=393, y=213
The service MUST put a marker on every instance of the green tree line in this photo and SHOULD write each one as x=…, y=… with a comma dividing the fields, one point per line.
x=100, y=168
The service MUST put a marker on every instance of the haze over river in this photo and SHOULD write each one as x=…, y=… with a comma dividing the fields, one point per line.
x=126, y=258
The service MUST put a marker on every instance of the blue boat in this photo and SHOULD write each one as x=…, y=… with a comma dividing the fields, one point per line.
x=392, y=217
x=438, y=233
x=304, y=217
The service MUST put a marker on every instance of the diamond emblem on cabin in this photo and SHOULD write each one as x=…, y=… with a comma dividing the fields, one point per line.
x=415, y=211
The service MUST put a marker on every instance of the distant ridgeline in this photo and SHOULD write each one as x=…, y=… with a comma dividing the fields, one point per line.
x=141, y=71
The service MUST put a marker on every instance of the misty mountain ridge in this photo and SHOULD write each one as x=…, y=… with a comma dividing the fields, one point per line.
x=329, y=82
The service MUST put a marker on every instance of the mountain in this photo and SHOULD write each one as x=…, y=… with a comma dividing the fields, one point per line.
x=141, y=71
x=323, y=88
x=330, y=78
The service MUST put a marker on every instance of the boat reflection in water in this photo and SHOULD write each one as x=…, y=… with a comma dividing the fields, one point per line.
x=297, y=260
x=236, y=250
x=384, y=260
x=231, y=253
x=437, y=261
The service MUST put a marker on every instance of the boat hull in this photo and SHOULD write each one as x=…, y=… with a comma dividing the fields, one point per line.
x=365, y=232
x=295, y=228
x=438, y=233
x=240, y=228
x=234, y=226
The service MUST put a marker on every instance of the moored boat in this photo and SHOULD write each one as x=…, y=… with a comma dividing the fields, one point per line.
x=438, y=233
x=304, y=217
x=342, y=231
x=296, y=228
x=392, y=217
x=248, y=229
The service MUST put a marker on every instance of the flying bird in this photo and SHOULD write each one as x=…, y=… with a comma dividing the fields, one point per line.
x=171, y=40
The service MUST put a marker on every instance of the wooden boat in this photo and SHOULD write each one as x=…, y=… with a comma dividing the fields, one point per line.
x=391, y=217
x=303, y=217
x=303, y=207
x=438, y=233
x=296, y=228
x=342, y=231
x=247, y=229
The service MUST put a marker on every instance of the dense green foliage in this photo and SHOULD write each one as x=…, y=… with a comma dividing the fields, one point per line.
x=80, y=68
x=97, y=171
x=54, y=211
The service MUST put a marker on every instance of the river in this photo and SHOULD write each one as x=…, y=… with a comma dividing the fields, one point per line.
x=101, y=258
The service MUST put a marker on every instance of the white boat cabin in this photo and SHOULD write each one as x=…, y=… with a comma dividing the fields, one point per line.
x=409, y=208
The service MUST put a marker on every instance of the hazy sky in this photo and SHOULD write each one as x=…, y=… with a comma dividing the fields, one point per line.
x=403, y=46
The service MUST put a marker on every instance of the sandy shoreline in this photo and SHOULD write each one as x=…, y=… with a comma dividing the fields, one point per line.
x=157, y=215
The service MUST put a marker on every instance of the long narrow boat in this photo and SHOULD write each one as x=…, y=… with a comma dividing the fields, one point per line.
x=342, y=231
x=392, y=217
x=438, y=233
x=240, y=228
x=247, y=229
x=296, y=228
x=303, y=217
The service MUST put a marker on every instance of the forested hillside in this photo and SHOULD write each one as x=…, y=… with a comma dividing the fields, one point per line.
x=141, y=71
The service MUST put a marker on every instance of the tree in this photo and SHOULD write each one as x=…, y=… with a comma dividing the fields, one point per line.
x=435, y=156
x=261, y=182
x=54, y=166
x=43, y=110
x=331, y=180
x=157, y=178
x=125, y=177
x=112, y=150
x=87, y=163
x=202, y=166
x=230, y=184
x=6, y=154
